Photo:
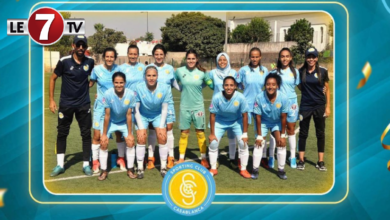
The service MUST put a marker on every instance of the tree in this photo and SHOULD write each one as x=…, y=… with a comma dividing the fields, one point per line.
x=302, y=33
x=64, y=45
x=240, y=35
x=194, y=30
x=259, y=30
x=103, y=38
x=149, y=36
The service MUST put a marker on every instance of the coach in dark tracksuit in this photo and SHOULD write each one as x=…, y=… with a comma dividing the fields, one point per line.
x=74, y=100
x=315, y=102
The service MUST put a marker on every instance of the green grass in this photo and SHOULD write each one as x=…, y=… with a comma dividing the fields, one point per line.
x=227, y=181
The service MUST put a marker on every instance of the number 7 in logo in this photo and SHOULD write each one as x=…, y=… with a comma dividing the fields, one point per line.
x=45, y=30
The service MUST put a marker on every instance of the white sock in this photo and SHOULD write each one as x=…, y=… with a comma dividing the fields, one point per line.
x=257, y=155
x=232, y=149
x=170, y=143
x=281, y=157
x=203, y=156
x=264, y=152
x=130, y=156
x=152, y=139
x=244, y=157
x=95, y=151
x=60, y=160
x=182, y=156
x=293, y=145
x=272, y=144
x=140, y=151
x=85, y=164
x=121, y=149
x=163, y=150
x=103, y=156
x=213, y=155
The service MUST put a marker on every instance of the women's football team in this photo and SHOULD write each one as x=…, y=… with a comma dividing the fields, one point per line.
x=134, y=94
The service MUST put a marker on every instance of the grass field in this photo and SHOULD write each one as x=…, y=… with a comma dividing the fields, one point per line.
x=227, y=181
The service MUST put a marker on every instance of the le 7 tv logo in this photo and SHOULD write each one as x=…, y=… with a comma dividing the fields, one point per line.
x=45, y=26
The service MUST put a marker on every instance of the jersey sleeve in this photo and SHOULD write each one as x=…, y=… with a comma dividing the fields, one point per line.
x=214, y=105
x=93, y=74
x=298, y=80
x=136, y=92
x=326, y=76
x=168, y=96
x=133, y=97
x=59, y=68
x=176, y=76
x=256, y=107
x=244, y=106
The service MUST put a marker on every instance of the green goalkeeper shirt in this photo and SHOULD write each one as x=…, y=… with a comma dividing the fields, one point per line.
x=192, y=82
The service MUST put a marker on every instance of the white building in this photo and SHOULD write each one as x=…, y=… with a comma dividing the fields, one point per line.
x=280, y=23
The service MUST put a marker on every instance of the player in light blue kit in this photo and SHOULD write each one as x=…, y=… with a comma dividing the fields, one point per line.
x=290, y=79
x=251, y=80
x=229, y=111
x=102, y=75
x=133, y=70
x=217, y=76
x=166, y=76
x=152, y=108
x=118, y=103
x=270, y=109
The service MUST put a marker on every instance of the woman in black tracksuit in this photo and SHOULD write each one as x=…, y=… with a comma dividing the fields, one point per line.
x=315, y=102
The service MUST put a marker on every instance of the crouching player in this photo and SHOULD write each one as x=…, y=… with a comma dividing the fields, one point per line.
x=270, y=108
x=118, y=103
x=152, y=108
x=229, y=111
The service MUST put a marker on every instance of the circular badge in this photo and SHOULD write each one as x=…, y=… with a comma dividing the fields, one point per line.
x=60, y=115
x=236, y=103
x=188, y=188
x=196, y=76
x=45, y=26
x=167, y=71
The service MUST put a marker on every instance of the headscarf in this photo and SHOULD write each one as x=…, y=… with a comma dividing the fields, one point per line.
x=222, y=73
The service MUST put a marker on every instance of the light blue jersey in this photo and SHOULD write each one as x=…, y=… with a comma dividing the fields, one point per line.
x=151, y=102
x=253, y=82
x=118, y=107
x=228, y=111
x=103, y=77
x=134, y=74
x=288, y=82
x=270, y=112
x=218, y=82
x=165, y=74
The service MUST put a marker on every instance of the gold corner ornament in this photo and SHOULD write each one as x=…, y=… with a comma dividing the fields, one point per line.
x=2, y=191
x=385, y=146
x=366, y=72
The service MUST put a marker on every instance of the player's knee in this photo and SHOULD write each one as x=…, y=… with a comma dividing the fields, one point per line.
x=320, y=135
x=303, y=134
x=200, y=135
x=290, y=131
x=184, y=136
x=242, y=145
x=213, y=145
x=141, y=140
x=162, y=140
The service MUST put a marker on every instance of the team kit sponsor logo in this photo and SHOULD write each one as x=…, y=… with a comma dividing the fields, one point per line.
x=188, y=189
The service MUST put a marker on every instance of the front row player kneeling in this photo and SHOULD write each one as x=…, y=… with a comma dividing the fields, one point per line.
x=118, y=103
x=270, y=108
x=229, y=111
x=152, y=108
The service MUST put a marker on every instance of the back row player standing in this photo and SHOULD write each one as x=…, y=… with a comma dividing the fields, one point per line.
x=165, y=76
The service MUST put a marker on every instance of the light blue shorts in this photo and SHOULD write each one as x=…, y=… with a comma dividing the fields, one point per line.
x=293, y=111
x=171, y=117
x=98, y=115
x=235, y=129
x=146, y=121
x=113, y=127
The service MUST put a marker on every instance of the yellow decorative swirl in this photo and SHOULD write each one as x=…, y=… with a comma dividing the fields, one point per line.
x=366, y=72
x=385, y=146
